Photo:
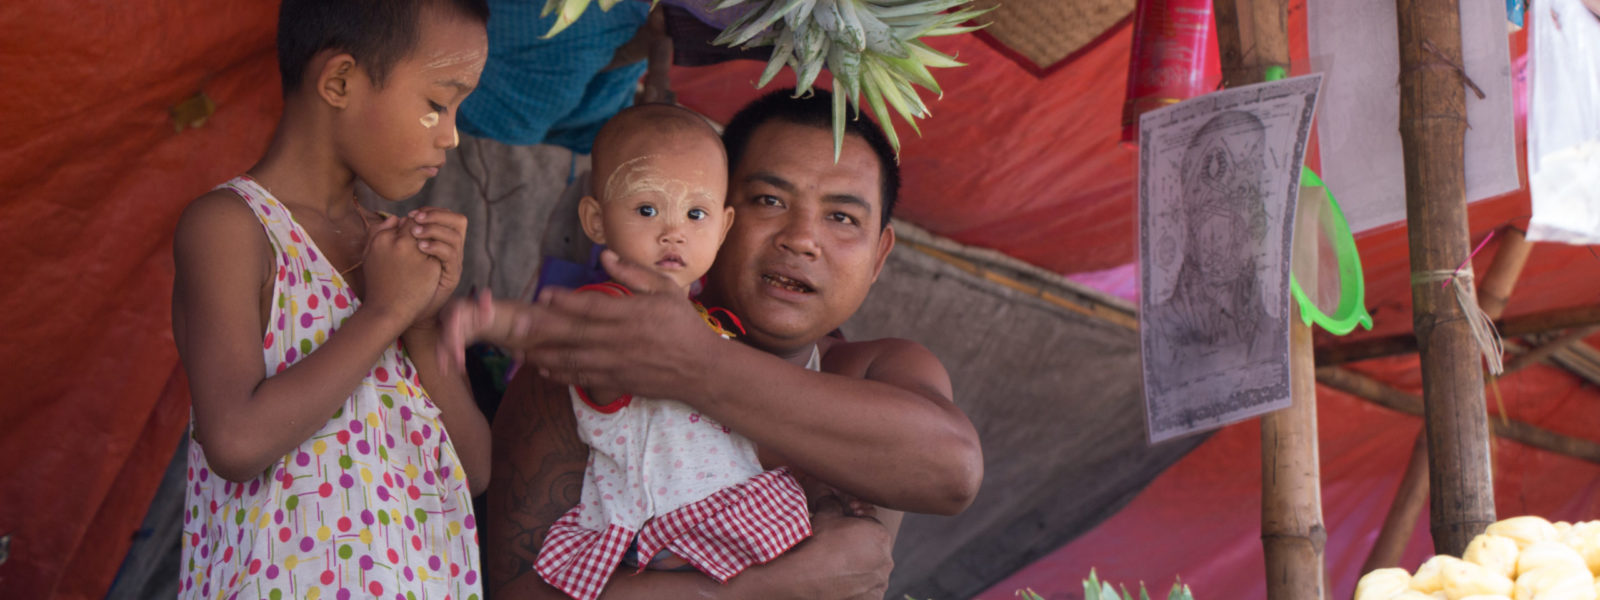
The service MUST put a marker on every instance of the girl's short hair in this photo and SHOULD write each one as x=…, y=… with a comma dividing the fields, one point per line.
x=378, y=33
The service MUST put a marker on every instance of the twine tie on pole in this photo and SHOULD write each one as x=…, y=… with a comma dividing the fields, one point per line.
x=1483, y=329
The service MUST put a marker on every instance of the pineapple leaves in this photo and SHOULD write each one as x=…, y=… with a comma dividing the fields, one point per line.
x=872, y=48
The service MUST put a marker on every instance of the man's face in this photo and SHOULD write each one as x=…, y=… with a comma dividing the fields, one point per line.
x=806, y=244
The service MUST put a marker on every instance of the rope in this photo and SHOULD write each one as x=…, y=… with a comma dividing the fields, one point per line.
x=1483, y=330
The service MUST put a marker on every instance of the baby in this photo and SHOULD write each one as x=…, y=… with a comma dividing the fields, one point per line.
x=664, y=483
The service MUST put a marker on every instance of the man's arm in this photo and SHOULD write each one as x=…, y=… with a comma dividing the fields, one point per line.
x=538, y=477
x=880, y=424
x=877, y=423
x=845, y=558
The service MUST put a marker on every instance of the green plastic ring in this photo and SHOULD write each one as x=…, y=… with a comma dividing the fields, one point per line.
x=1352, y=308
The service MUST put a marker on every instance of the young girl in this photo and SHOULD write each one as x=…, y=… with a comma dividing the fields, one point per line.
x=665, y=487
x=320, y=467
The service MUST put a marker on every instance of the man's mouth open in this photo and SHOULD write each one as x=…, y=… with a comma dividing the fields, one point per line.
x=793, y=285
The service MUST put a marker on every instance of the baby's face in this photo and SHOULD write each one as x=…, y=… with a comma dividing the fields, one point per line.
x=668, y=212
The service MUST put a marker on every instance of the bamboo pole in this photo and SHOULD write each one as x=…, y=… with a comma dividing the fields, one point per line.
x=1432, y=127
x=1412, y=494
x=1253, y=36
x=1292, y=534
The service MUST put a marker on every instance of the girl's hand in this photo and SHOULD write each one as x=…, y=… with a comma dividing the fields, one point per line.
x=401, y=279
x=440, y=234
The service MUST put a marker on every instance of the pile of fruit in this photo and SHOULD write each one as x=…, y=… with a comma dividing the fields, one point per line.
x=1523, y=558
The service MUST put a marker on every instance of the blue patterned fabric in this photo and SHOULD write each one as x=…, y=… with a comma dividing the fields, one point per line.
x=552, y=91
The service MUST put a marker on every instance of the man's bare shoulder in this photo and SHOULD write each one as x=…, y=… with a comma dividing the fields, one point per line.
x=896, y=361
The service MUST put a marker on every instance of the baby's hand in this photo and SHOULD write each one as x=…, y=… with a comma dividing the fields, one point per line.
x=856, y=507
x=819, y=493
x=462, y=322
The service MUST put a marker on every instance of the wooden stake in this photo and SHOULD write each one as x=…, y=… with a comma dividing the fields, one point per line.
x=1432, y=127
x=657, y=80
x=1372, y=390
x=1253, y=35
x=1503, y=273
x=1581, y=359
x=1403, y=511
x=1538, y=354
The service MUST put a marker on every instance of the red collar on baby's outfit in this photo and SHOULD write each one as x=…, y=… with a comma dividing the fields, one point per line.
x=711, y=314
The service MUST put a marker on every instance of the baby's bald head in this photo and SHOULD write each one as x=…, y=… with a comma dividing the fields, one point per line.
x=660, y=191
x=649, y=130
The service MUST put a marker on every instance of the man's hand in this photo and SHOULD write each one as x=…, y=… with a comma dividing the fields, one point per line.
x=652, y=343
x=845, y=557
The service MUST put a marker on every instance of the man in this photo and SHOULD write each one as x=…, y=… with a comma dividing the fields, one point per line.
x=810, y=236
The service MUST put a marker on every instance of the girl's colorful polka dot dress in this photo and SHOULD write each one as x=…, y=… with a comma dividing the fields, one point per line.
x=375, y=504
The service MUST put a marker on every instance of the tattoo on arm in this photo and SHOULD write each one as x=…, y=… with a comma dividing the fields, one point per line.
x=539, y=462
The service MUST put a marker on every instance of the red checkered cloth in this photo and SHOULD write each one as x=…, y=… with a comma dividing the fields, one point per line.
x=721, y=535
x=579, y=561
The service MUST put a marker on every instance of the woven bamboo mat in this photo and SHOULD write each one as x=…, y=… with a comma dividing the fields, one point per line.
x=1039, y=34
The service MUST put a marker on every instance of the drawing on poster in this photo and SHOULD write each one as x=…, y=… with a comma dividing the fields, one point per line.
x=1218, y=179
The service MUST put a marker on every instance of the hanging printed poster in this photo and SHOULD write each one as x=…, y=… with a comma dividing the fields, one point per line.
x=1218, y=179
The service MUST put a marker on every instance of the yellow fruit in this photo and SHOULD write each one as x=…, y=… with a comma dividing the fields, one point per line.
x=1427, y=579
x=1524, y=530
x=1585, y=538
x=1556, y=582
x=1539, y=555
x=1494, y=553
x=1462, y=579
x=1382, y=584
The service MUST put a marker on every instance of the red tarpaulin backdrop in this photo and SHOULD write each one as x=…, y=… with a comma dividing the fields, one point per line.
x=95, y=176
